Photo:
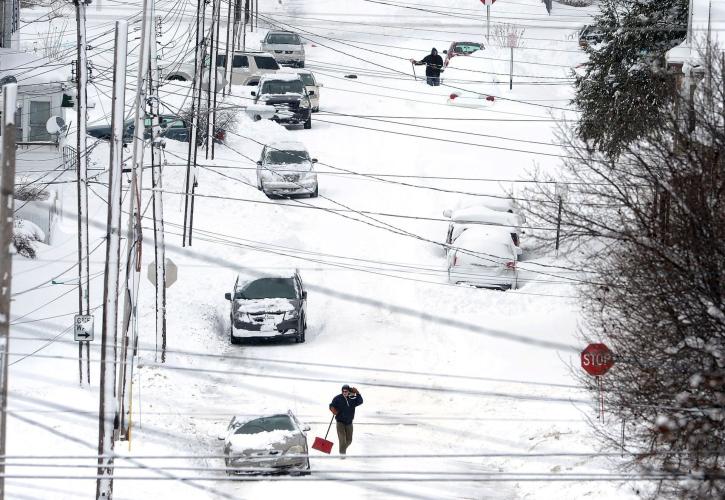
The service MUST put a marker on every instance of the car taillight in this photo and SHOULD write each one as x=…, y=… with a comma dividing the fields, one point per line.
x=511, y=265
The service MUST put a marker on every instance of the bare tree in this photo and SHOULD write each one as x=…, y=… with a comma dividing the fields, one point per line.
x=651, y=227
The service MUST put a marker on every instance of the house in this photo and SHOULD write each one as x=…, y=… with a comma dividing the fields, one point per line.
x=705, y=24
x=44, y=91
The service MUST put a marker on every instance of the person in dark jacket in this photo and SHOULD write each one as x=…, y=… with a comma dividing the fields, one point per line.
x=343, y=407
x=433, y=64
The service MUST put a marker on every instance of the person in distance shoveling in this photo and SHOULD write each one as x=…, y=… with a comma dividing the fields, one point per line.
x=433, y=64
x=343, y=407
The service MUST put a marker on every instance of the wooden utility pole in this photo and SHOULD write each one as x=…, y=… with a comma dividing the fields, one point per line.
x=190, y=182
x=211, y=101
x=134, y=237
x=108, y=410
x=158, y=206
x=228, y=58
x=84, y=307
x=7, y=208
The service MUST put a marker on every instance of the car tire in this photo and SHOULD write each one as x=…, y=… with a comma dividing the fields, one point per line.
x=308, y=124
x=315, y=193
x=176, y=78
x=316, y=110
x=301, y=328
x=302, y=64
x=234, y=340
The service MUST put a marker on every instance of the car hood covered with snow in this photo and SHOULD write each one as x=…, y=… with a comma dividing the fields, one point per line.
x=251, y=306
x=240, y=444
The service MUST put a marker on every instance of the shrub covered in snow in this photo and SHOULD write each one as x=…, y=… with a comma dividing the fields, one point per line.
x=24, y=234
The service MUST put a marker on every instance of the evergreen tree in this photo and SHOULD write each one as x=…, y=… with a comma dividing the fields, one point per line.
x=626, y=87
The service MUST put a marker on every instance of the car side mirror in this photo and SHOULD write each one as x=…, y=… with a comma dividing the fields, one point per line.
x=447, y=213
x=320, y=85
x=254, y=93
x=228, y=296
x=221, y=437
x=304, y=294
x=312, y=92
x=259, y=163
x=314, y=160
x=445, y=52
x=306, y=427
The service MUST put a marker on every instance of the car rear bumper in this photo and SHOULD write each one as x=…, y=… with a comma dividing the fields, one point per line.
x=504, y=280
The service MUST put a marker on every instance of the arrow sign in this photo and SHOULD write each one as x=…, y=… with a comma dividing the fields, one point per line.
x=83, y=327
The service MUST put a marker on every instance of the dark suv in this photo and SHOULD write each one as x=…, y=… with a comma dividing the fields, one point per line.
x=287, y=93
x=272, y=307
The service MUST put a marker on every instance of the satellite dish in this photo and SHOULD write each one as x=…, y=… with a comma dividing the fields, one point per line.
x=8, y=79
x=55, y=125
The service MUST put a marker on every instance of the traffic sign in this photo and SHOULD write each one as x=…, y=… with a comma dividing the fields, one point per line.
x=487, y=2
x=597, y=359
x=171, y=272
x=83, y=327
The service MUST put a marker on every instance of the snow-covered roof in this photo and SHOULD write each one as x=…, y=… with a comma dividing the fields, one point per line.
x=287, y=145
x=707, y=22
x=485, y=215
x=280, y=75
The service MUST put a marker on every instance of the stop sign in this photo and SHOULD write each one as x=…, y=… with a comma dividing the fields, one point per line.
x=597, y=359
x=487, y=2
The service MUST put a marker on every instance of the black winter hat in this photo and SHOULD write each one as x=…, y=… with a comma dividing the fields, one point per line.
x=345, y=387
x=433, y=50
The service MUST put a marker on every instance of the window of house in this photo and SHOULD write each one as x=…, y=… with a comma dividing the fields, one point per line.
x=38, y=116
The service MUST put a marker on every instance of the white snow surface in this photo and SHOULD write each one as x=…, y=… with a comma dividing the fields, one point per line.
x=462, y=385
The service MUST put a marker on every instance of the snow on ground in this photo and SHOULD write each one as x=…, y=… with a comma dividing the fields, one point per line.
x=447, y=372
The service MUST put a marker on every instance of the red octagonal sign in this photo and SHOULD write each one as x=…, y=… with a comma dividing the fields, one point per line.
x=484, y=1
x=597, y=359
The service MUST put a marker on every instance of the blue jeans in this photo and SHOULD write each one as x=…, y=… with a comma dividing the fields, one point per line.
x=433, y=80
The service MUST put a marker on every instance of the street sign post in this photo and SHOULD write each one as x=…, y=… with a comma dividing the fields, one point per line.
x=488, y=4
x=83, y=327
x=596, y=360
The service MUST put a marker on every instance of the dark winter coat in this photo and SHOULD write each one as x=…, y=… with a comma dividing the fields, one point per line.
x=345, y=407
x=433, y=64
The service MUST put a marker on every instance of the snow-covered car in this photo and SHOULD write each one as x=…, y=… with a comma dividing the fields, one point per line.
x=248, y=66
x=285, y=168
x=286, y=47
x=285, y=94
x=268, y=444
x=461, y=49
x=484, y=257
x=467, y=217
x=170, y=127
x=183, y=71
x=270, y=307
x=313, y=88
x=589, y=35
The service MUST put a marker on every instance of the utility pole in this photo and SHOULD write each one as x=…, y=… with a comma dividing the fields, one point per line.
x=228, y=59
x=211, y=102
x=194, y=131
x=251, y=16
x=158, y=207
x=7, y=208
x=244, y=28
x=256, y=14
x=212, y=77
x=82, y=171
x=108, y=410
x=134, y=237
x=237, y=23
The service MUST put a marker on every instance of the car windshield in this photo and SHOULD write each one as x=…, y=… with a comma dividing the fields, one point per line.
x=282, y=156
x=265, y=62
x=466, y=48
x=282, y=87
x=283, y=39
x=307, y=79
x=269, y=288
x=266, y=424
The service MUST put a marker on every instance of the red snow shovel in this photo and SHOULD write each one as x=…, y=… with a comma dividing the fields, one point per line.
x=324, y=445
